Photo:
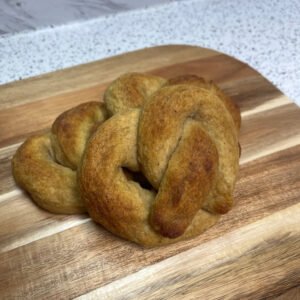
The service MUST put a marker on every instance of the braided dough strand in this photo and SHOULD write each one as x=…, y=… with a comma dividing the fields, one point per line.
x=161, y=127
x=52, y=186
x=45, y=165
x=71, y=130
x=183, y=139
x=121, y=205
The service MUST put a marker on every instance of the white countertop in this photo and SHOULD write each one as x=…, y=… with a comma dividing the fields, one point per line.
x=265, y=34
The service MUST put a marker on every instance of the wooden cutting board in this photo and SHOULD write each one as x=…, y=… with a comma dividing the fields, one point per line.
x=252, y=253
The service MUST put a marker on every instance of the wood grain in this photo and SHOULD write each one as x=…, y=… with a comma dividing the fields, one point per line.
x=211, y=270
x=107, y=258
x=252, y=253
x=277, y=131
x=23, y=223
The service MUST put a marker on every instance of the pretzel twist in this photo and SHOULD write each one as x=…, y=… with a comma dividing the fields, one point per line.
x=45, y=165
x=183, y=139
x=161, y=169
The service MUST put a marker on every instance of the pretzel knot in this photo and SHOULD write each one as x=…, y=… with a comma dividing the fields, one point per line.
x=45, y=165
x=163, y=168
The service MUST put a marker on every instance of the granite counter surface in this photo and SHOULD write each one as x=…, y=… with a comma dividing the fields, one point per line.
x=265, y=34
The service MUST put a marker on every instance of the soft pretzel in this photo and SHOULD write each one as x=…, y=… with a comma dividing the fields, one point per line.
x=161, y=169
x=184, y=140
x=45, y=165
x=119, y=204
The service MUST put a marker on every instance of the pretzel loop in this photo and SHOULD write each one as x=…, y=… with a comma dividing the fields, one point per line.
x=45, y=165
x=183, y=137
x=155, y=163
x=117, y=202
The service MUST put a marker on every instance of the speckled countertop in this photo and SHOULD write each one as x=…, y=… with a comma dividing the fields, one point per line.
x=265, y=34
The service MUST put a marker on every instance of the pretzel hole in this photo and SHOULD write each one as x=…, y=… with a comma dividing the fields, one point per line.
x=137, y=177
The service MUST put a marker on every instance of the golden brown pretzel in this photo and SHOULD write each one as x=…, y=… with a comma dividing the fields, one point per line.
x=121, y=205
x=45, y=165
x=185, y=141
x=181, y=134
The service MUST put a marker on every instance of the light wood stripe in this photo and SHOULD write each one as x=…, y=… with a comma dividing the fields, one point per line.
x=23, y=222
x=9, y=150
x=199, y=264
x=269, y=131
x=10, y=195
x=272, y=148
x=41, y=233
x=272, y=103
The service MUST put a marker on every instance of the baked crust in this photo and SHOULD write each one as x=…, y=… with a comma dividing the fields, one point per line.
x=120, y=205
x=45, y=165
x=52, y=186
x=160, y=169
x=184, y=139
